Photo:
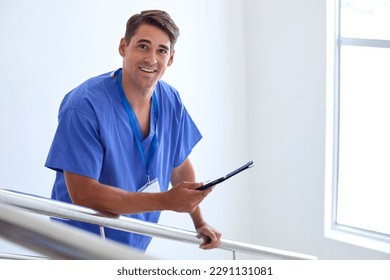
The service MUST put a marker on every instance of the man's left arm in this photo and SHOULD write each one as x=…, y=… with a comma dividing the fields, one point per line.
x=211, y=237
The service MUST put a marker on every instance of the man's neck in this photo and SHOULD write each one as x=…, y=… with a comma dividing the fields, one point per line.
x=137, y=98
x=140, y=101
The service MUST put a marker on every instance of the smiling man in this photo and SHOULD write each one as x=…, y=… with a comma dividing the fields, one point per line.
x=124, y=136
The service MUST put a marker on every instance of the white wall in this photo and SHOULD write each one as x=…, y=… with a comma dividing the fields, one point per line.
x=252, y=74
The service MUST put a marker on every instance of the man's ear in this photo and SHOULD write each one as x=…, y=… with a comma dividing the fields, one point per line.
x=122, y=47
x=170, y=61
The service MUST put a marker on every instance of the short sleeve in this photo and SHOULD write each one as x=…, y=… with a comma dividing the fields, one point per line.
x=76, y=147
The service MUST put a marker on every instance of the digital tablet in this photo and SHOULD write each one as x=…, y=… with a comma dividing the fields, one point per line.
x=221, y=179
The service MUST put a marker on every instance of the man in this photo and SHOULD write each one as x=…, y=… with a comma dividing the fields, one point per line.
x=122, y=137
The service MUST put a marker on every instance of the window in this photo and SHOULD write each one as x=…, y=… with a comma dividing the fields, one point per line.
x=358, y=123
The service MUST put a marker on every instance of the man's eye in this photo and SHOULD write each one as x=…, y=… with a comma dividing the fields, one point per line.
x=163, y=51
x=142, y=46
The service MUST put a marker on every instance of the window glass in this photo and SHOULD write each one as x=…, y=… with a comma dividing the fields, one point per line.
x=366, y=19
x=364, y=139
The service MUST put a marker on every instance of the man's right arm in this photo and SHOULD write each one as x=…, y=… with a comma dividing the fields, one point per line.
x=90, y=193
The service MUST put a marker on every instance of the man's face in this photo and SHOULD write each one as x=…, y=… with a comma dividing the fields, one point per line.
x=146, y=57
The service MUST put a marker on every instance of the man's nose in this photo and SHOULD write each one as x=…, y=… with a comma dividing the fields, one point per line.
x=151, y=58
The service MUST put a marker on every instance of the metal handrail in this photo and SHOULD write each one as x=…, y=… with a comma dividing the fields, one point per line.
x=6, y=256
x=56, y=240
x=64, y=210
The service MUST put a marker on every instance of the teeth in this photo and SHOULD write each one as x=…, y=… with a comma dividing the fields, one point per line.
x=148, y=70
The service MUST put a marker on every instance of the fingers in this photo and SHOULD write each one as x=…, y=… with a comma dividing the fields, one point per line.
x=185, y=198
x=211, y=242
x=194, y=186
x=211, y=237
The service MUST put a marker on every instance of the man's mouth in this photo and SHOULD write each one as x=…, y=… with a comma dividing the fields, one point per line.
x=147, y=70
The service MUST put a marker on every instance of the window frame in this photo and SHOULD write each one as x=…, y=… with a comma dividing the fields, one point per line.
x=333, y=230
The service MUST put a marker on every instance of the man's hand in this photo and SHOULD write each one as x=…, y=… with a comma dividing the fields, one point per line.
x=184, y=197
x=211, y=237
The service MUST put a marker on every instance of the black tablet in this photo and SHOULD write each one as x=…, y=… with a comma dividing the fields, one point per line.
x=221, y=179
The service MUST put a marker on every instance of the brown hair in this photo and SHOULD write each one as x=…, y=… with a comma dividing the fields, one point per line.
x=156, y=18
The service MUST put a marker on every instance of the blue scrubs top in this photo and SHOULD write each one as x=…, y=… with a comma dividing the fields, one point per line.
x=94, y=139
